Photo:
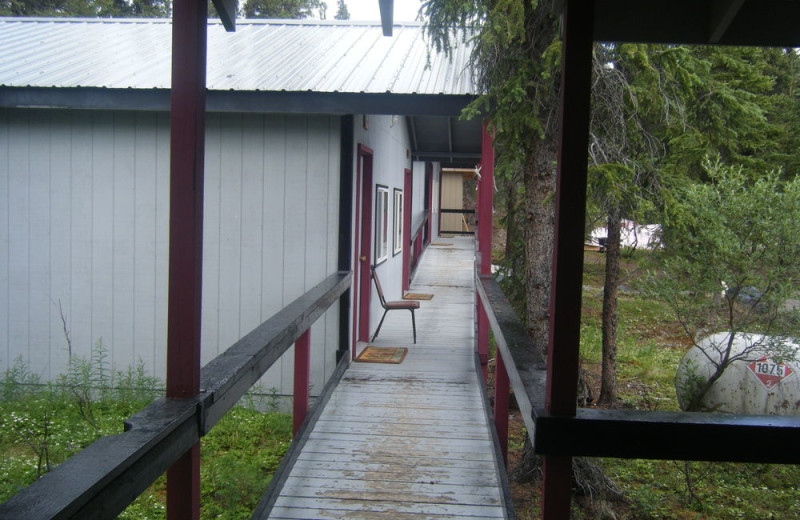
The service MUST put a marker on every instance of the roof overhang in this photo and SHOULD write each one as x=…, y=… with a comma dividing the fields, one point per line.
x=238, y=101
x=728, y=22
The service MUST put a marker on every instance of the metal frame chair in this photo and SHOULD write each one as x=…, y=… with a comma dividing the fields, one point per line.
x=409, y=305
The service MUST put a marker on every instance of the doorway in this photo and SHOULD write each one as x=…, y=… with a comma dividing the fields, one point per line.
x=363, y=246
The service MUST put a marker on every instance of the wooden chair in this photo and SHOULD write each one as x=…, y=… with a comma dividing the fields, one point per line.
x=409, y=305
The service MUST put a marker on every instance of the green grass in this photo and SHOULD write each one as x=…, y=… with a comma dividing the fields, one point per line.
x=650, y=345
x=41, y=425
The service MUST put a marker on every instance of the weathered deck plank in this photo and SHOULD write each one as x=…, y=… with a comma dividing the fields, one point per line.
x=411, y=440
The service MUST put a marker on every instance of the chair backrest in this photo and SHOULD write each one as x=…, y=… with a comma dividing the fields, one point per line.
x=378, y=286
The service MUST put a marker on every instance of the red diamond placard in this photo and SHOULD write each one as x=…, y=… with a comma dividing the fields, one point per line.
x=769, y=372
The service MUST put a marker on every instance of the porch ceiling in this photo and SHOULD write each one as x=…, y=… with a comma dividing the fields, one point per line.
x=449, y=140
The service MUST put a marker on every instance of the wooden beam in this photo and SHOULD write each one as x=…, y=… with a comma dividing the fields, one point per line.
x=387, y=16
x=669, y=435
x=722, y=14
x=227, y=13
x=187, y=151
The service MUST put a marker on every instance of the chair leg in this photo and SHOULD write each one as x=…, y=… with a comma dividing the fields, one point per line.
x=379, y=325
x=413, y=325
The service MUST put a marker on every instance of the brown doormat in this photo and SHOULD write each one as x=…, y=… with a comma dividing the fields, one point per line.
x=440, y=244
x=417, y=296
x=382, y=355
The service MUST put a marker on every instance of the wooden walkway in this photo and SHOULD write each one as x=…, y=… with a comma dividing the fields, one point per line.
x=410, y=440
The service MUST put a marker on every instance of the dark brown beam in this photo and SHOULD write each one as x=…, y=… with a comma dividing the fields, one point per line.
x=670, y=435
x=722, y=14
x=567, y=268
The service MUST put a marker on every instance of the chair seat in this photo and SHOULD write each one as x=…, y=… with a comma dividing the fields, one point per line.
x=404, y=304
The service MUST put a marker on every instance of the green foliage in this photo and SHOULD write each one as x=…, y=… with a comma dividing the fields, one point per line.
x=239, y=455
x=342, y=13
x=41, y=425
x=283, y=8
x=87, y=8
x=738, y=231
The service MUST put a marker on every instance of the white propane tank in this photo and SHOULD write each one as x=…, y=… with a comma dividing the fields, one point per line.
x=765, y=382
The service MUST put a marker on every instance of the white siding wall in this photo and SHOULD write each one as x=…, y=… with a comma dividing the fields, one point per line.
x=84, y=223
x=389, y=141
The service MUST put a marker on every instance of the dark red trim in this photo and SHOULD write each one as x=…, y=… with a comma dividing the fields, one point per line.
x=302, y=374
x=567, y=275
x=187, y=137
x=429, y=201
x=408, y=185
x=486, y=201
x=363, y=245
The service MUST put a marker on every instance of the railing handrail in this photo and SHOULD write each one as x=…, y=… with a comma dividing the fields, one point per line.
x=105, y=477
x=418, y=225
x=625, y=433
x=526, y=369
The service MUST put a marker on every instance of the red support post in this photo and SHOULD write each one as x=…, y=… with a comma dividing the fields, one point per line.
x=570, y=212
x=501, y=393
x=302, y=375
x=486, y=201
x=187, y=127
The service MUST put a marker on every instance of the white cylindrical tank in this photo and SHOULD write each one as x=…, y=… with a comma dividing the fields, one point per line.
x=764, y=382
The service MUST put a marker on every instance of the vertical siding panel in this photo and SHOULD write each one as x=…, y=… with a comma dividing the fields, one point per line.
x=316, y=232
x=144, y=238
x=80, y=318
x=162, y=245
x=103, y=228
x=273, y=225
x=230, y=230
x=5, y=137
x=294, y=252
x=60, y=216
x=39, y=260
x=211, y=238
x=252, y=205
x=19, y=240
x=124, y=254
x=332, y=264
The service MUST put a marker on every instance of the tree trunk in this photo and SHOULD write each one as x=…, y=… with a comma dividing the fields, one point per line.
x=540, y=184
x=608, y=380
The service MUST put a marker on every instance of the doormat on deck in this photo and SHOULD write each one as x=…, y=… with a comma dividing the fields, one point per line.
x=382, y=355
x=417, y=296
x=441, y=244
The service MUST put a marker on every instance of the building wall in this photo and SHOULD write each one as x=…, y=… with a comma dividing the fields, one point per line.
x=84, y=231
x=387, y=136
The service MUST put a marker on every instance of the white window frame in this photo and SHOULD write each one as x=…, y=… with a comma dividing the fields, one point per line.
x=398, y=222
x=381, y=224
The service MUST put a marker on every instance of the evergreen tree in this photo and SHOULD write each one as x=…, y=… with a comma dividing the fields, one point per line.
x=342, y=13
x=296, y=9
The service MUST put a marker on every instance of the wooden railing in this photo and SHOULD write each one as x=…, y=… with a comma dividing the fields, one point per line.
x=104, y=478
x=620, y=433
x=418, y=239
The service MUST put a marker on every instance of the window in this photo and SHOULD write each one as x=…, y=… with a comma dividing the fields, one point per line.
x=381, y=224
x=398, y=222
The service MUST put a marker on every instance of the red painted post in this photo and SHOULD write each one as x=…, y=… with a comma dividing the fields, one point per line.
x=570, y=211
x=302, y=375
x=501, y=393
x=486, y=201
x=187, y=127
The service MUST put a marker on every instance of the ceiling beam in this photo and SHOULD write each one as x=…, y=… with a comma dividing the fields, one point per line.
x=723, y=13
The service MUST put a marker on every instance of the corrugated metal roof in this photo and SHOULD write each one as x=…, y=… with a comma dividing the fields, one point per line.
x=262, y=55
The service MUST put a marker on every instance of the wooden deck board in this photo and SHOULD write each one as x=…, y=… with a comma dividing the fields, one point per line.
x=411, y=440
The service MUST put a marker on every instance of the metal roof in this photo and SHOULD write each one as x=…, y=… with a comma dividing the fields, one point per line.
x=262, y=55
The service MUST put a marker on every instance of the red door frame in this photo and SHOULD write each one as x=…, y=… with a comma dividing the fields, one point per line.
x=408, y=184
x=362, y=258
